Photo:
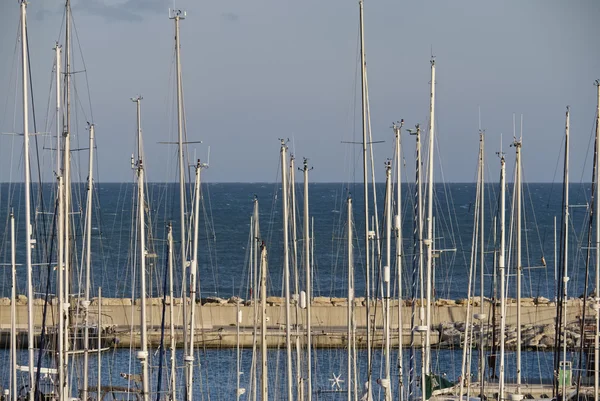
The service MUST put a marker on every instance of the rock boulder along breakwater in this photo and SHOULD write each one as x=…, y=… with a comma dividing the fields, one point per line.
x=216, y=321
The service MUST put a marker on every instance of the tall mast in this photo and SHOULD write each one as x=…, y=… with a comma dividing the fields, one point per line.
x=172, y=313
x=417, y=254
x=238, y=321
x=518, y=187
x=67, y=190
x=308, y=286
x=299, y=385
x=88, y=270
x=193, y=277
x=502, y=273
x=264, y=380
x=597, y=213
x=28, y=239
x=350, y=300
x=429, y=241
x=363, y=66
x=398, y=231
x=254, y=250
x=565, y=260
x=482, y=315
x=13, y=310
x=286, y=269
x=143, y=354
x=386, y=275
x=178, y=15
x=99, y=344
x=61, y=237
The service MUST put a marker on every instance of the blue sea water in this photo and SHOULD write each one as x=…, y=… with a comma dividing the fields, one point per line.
x=224, y=237
x=224, y=251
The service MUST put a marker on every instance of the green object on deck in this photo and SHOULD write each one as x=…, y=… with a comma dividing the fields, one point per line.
x=435, y=382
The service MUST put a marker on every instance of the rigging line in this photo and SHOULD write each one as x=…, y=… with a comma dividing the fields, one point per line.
x=45, y=310
x=558, y=158
x=37, y=152
x=535, y=221
x=587, y=270
x=162, y=329
x=87, y=82
x=13, y=74
x=591, y=137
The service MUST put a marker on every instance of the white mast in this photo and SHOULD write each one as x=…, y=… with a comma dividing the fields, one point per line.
x=418, y=258
x=28, y=240
x=386, y=276
x=501, y=268
x=189, y=359
x=13, y=310
x=88, y=270
x=264, y=380
x=518, y=187
x=143, y=354
x=350, y=300
x=99, y=350
x=238, y=320
x=172, y=313
x=178, y=15
x=254, y=249
x=299, y=384
x=565, y=277
x=61, y=223
x=308, y=286
x=286, y=269
x=363, y=66
x=398, y=230
x=482, y=314
x=429, y=241
x=597, y=213
x=66, y=179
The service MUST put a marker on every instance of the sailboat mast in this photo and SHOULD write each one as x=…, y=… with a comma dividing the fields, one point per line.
x=143, y=354
x=28, y=239
x=178, y=15
x=481, y=263
x=286, y=269
x=417, y=256
x=67, y=192
x=193, y=277
x=501, y=272
x=171, y=313
x=61, y=238
x=13, y=310
x=88, y=270
x=99, y=350
x=307, y=265
x=254, y=250
x=518, y=188
x=597, y=213
x=386, y=275
x=238, y=321
x=264, y=380
x=565, y=261
x=429, y=241
x=398, y=230
x=299, y=385
x=363, y=66
x=66, y=207
x=350, y=300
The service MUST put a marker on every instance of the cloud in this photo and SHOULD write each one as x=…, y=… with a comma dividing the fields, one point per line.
x=231, y=17
x=127, y=10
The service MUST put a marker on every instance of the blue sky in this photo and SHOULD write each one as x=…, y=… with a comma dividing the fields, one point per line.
x=256, y=71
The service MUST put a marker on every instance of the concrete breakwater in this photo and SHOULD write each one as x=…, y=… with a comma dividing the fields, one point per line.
x=216, y=321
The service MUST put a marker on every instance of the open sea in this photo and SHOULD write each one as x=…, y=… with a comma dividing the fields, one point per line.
x=224, y=254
